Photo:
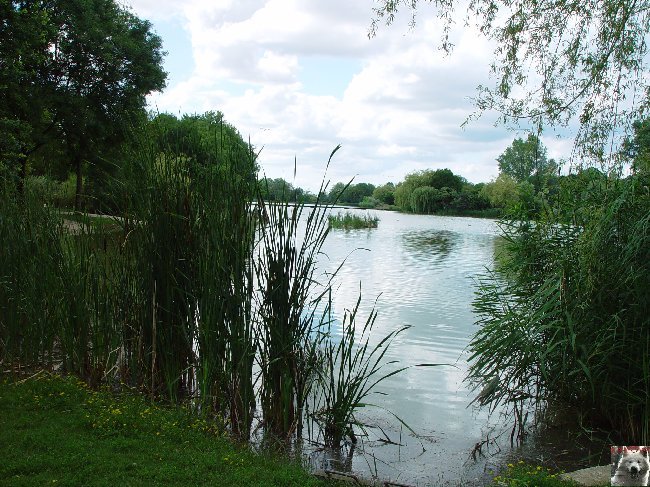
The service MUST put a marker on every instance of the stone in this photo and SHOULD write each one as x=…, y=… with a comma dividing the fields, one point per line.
x=595, y=476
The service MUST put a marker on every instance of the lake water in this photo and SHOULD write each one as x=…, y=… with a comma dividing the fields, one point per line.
x=421, y=270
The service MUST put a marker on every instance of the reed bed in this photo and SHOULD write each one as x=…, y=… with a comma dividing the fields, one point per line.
x=199, y=292
x=566, y=315
x=289, y=294
x=352, y=221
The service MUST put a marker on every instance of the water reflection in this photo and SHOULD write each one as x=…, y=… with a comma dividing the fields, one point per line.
x=423, y=268
x=429, y=244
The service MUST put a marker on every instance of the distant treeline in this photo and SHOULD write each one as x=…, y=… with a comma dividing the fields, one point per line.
x=527, y=177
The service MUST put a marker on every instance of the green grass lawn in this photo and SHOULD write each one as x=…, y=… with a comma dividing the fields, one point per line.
x=55, y=431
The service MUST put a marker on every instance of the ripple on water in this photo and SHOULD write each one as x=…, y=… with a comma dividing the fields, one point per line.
x=422, y=268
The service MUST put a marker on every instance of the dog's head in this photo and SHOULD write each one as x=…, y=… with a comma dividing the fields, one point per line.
x=635, y=462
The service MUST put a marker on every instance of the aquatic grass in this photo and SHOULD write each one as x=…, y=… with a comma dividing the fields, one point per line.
x=198, y=293
x=560, y=314
x=349, y=220
x=30, y=235
x=226, y=335
x=52, y=297
x=193, y=237
x=351, y=368
x=288, y=295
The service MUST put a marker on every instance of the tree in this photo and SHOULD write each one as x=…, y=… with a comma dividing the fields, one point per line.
x=337, y=192
x=356, y=192
x=350, y=193
x=427, y=199
x=637, y=149
x=525, y=158
x=503, y=192
x=385, y=194
x=210, y=142
x=556, y=62
x=24, y=34
x=445, y=178
x=438, y=179
x=90, y=65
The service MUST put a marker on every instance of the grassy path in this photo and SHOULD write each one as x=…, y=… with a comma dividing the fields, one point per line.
x=54, y=431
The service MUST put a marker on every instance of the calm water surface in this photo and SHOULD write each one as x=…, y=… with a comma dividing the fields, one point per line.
x=421, y=270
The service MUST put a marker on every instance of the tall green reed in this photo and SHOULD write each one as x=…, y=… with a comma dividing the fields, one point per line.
x=288, y=297
x=192, y=243
x=565, y=316
x=198, y=291
x=225, y=323
x=52, y=294
x=29, y=259
x=350, y=370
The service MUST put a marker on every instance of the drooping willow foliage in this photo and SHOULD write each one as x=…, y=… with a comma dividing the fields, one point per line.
x=555, y=62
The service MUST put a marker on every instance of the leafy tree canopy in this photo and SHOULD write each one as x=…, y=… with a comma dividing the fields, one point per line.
x=207, y=139
x=385, y=194
x=350, y=193
x=75, y=74
x=556, y=61
x=637, y=148
x=525, y=158
x=279, y=189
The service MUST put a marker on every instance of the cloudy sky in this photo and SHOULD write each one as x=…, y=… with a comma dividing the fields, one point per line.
x=299, y=77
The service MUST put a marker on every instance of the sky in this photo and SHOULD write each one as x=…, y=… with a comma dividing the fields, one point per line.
x=299, y=77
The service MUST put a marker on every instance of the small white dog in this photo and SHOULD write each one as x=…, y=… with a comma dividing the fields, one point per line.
x=633, y=468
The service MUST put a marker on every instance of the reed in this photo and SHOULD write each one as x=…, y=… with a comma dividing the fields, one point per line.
x=349, y=221
x=565, y=315
x=28, y=308
x=351, y=368
x=226, y=325
x=198, y=292
x=53, y=291
x=289, y=294
x=192, y=241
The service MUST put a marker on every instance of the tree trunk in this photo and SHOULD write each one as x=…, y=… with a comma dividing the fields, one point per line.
x=22, y=175
x=77, y=197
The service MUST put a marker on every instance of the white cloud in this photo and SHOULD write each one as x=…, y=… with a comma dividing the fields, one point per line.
x=402, y=109
x=278, y=67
